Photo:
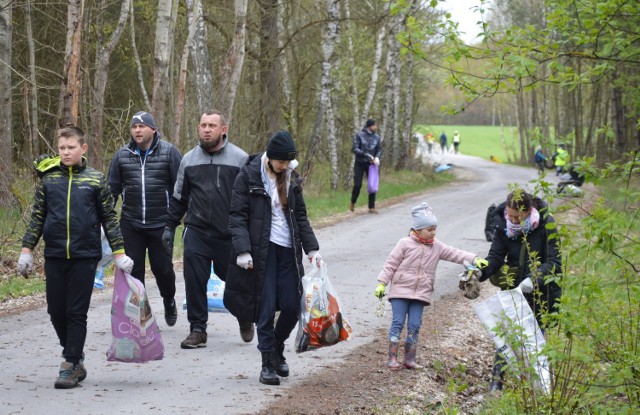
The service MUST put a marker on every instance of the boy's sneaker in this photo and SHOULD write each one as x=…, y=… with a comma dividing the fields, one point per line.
x=67, y=377
x=80, y=371
x=194, y=339
x=170, y=312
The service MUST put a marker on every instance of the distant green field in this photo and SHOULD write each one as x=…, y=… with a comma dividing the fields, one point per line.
x=481, y=141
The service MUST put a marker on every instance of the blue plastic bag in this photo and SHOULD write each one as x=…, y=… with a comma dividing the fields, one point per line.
x=373, y=179
x=105, y=261
x=215, y=294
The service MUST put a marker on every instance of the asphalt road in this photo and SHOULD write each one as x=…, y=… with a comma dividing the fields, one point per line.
x=223, y=377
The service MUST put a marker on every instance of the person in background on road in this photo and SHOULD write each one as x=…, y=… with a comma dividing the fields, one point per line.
x=561, y=158
x=144, y=173
x=539, y=158
x=203, y=192
x=410, y=272
x=456, y=141
x=268, y=221
x=524, y=234
x=71, y=202
x=430, y=141
x=443, y=143
x=367, y=147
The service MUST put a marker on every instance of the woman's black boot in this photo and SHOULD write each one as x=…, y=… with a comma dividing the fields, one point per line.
x=268, y=375
x=279, y=362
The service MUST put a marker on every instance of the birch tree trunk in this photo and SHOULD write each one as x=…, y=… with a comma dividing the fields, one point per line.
x=103, y=57
x=328, y=44
x=290, y=114
x=234, y=61
x=32, y=147
x=352, y=64
x=202, y=78
x=70, y=91
x=373, y=82
x=182, y=77
x=392, y=94
x=6, y=115
x=161, y=57
x=407, y=133
x=268, y=75
x=136, y=57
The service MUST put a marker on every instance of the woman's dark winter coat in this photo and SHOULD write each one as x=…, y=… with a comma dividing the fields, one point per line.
x=250, y=226
x=542, y=244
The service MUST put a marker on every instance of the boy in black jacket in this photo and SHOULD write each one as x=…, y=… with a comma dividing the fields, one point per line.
x=71, y=202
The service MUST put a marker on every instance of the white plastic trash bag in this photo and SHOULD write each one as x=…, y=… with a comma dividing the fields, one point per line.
x=501, y=313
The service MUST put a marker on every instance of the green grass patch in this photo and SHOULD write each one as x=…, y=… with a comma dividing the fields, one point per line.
x=16, y=287
x=482, y=141
x=322, y=202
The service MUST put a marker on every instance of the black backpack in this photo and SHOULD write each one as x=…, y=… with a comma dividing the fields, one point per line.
x=489, y=229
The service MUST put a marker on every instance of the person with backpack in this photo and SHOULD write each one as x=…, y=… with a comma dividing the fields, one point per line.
x=526, y=241
x=540, y=158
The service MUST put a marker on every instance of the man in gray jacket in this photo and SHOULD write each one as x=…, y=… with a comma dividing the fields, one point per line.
x=203, y=193
x=144, y=173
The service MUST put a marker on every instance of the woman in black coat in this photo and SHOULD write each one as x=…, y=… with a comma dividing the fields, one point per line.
x=527, y=242
x=269, y=227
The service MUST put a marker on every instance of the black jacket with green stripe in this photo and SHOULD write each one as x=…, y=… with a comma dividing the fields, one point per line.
x=70, y=205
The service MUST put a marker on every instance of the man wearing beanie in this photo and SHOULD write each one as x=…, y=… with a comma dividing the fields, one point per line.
x=270, y=228
x=367, y=147
x=203, y=193
x=144, y=173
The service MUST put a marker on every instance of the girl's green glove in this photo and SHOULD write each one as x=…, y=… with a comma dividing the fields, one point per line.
x=379, y=292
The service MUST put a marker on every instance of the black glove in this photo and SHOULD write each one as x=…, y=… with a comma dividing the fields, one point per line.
x=167, y=239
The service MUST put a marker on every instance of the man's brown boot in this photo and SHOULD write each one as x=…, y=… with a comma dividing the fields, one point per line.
x=352, y=206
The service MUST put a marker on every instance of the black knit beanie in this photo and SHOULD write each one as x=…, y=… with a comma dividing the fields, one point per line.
x=281, y=147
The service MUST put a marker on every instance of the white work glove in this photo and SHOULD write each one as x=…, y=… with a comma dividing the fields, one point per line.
x=314, y=257
x=25, y=264
x=376, y=161
x=245, y=261
x=124, y=263
x=526, y=285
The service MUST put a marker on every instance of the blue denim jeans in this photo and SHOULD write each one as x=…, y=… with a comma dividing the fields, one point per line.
x=405, y=310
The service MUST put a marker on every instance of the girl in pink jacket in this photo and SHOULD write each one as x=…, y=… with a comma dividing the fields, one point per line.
x=410, y=272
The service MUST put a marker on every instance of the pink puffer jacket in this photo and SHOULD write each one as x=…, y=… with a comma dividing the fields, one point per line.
x=410, y=270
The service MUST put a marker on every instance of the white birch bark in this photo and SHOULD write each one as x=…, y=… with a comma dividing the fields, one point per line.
x=333, y=147
x=34, y=113
x=6, y=115
x=161, y=57
x=102, y=61
x=234, y=61
x=354, y=84
x=202, y=77
x=392, y=94
x=328, y=45
x=373, y=82
x=182, y=76
x=136, y=57
x=407, y=134
x=283, y=59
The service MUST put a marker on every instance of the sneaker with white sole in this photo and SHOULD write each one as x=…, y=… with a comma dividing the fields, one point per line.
x=194, y=339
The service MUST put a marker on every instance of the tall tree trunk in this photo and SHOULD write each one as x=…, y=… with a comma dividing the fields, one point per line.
x=289, y=108
x=33, y=148
x=407, y=133
x=269, y=119
x=390, y=122
x=103, y=57
x=328, y=46
x=70, y=92
x=182, y=77
x=373, y=82
x=136, y=57
x=234, y=61
x=6, y=115
x=352, y=64
x=203, y=79
x=161, y=57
